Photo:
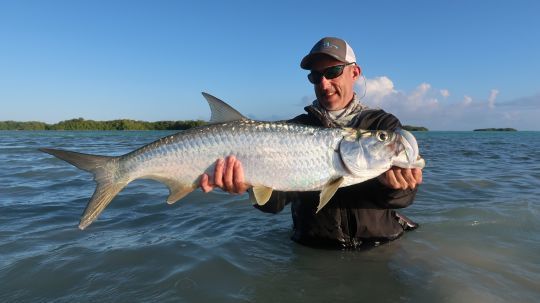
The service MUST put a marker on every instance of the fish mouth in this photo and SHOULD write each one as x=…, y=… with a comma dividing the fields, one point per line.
x=410, y=148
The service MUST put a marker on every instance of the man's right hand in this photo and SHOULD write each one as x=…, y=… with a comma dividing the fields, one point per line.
x=401, y=178
x=228, y=175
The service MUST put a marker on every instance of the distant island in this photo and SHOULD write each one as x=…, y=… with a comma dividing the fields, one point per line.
x=415, y=128
x=495, y=130
x=82, y=124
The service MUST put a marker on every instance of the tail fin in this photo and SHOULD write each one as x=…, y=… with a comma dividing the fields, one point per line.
x=104, y=169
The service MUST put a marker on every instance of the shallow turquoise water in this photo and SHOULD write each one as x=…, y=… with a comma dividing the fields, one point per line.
x=479, y=239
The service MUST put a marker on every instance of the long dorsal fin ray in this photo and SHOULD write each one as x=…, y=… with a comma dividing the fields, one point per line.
x=328, y=192
x=222, y=112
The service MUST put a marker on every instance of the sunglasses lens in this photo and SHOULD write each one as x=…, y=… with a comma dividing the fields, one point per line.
x=329, y=73
x=333, y=72
x=314, y=77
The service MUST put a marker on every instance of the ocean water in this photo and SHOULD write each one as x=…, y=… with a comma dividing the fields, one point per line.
x=479, y=239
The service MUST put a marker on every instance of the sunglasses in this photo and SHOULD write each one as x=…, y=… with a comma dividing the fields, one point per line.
x=331, y=72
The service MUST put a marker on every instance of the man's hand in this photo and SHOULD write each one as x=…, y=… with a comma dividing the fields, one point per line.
x=228, y=175
x=401, y=178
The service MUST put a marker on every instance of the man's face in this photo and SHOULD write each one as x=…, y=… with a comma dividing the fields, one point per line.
x=335, y=94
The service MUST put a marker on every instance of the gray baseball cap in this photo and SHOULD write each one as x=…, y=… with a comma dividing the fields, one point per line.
x=330, y=46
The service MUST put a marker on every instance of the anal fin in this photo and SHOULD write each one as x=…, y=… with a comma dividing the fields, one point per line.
x=328, y=192
x=177, y=190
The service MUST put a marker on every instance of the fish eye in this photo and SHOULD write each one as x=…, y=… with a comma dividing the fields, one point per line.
x=382, y=136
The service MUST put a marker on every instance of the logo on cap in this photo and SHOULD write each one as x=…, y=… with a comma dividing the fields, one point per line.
x=327, y=44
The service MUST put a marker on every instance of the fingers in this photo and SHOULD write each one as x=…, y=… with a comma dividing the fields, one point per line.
x=218, y=173
x=228, y=175
x=228, y=184
x=417, y=173
x=402, y=178
x=391, y=180
x=408, y=178
x=205, y=184
x=233, y=178
x=239, y=183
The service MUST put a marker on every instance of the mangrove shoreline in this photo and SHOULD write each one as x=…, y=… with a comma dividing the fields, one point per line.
x=119, y=124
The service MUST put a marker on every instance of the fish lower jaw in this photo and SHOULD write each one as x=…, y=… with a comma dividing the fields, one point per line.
x=420, y=163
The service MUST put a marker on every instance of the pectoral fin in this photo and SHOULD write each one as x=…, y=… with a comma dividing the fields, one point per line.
x=328, y=192
x=260, y=194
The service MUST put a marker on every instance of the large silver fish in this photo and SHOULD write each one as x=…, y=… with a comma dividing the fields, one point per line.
x=275, y=156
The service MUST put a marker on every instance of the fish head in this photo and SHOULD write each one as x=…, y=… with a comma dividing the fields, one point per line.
x=370, y=152
x=407, y=155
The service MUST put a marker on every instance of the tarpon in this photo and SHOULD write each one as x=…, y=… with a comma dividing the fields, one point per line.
x=274, y=155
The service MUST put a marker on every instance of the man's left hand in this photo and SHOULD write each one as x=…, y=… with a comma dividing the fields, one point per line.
x=401, y=178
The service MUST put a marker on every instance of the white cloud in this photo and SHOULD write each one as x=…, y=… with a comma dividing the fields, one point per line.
x=445, y=93
x=435, y=109
x=423, y=97
x=466, y=101
x=492, y=96
x=378, y=89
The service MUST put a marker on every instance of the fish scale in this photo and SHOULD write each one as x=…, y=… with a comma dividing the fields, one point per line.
x=295, y=156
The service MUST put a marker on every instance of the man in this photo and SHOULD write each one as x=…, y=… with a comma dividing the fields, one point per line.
x=357, y=216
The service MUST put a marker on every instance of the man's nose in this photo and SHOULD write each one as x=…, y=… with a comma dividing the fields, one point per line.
x=324, y=82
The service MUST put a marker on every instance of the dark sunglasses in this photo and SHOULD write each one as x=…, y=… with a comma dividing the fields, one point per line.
x=331, y=72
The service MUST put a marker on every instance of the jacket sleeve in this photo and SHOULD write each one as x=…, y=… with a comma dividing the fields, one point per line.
x=277, y=202
x=386, y=197
x=373, y=194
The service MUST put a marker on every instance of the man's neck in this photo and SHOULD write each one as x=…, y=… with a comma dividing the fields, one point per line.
x=339, y=111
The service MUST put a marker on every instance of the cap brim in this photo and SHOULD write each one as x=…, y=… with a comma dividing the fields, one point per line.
x=308, y=60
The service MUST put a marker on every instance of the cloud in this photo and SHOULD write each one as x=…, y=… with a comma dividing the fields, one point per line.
x=491, y=99
x=466, y=101
x=435, y=109
x=529, y=102
x=445, y=93
x=379, y=88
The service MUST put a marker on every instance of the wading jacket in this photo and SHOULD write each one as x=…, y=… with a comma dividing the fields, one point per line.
x=358, y=216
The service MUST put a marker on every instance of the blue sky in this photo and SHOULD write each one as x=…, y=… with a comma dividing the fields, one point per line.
x=447, y=65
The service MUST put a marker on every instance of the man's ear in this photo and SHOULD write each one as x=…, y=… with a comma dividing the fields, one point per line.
x=357, y=71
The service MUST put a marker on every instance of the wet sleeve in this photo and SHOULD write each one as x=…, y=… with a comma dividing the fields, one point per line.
x=373, y=194
x=386, y=197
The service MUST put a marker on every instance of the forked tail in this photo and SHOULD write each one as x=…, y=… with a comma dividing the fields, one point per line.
x=105, y=171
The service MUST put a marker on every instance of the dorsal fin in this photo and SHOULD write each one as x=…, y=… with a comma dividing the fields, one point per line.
x=221, y=111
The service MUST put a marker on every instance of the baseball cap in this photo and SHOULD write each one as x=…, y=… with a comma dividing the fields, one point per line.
x=330, y=46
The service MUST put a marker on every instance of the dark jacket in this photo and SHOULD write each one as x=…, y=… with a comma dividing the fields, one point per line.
x=357, y=216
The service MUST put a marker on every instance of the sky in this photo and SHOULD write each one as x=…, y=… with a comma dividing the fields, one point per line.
x=445, y=65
